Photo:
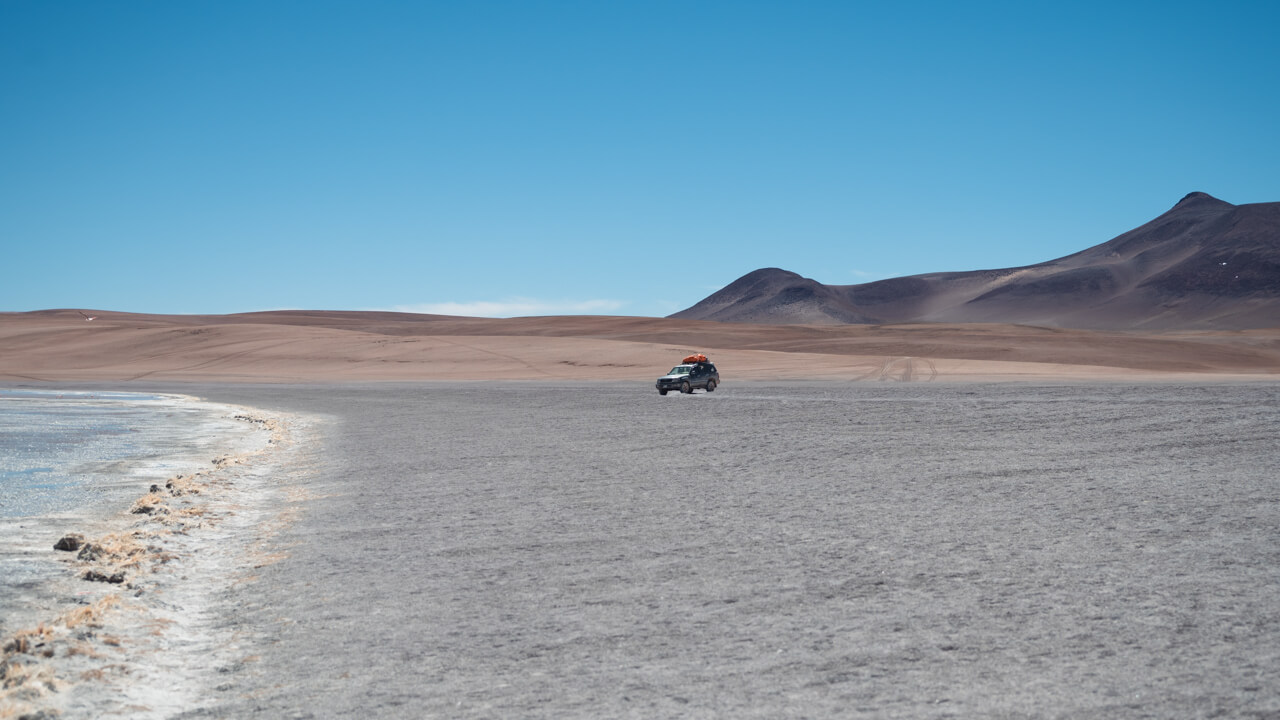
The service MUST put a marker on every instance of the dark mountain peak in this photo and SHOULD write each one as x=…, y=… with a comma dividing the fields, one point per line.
x=1203, y=264
x=767, y=280
x=776, y=295
x=1201, y=201
x=771, y=274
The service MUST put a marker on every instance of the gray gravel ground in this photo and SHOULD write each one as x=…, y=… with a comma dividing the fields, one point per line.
x=772, y=550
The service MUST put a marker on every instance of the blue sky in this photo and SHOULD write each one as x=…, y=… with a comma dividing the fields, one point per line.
x=514, y=158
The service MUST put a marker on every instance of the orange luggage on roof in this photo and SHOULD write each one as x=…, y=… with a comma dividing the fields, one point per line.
x=699, y=357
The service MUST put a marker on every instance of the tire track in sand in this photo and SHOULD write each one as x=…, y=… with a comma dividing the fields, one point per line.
x=904, y=369
x=512, y=358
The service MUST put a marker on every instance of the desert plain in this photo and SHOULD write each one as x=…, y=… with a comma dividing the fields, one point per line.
x=503, y=519
x=310, y=346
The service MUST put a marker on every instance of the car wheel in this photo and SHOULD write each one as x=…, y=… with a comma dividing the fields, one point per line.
x=685, y=388
x=711, y=386
x=662, y=391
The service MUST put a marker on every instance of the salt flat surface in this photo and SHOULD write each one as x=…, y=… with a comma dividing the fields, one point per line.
x=770, y=550
x=74, y=461
x=62, y=450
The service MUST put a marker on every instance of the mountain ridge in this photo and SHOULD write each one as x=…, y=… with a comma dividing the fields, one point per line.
x=1203, y=264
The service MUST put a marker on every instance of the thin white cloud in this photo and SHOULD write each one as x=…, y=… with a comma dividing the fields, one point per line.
x=515, y=307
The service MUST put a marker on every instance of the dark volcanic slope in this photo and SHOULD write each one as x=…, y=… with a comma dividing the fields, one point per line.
x=1205, y=264
x=773, y=296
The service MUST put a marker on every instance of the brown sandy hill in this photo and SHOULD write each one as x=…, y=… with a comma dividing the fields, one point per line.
x=293, y=346
x=1204, y=264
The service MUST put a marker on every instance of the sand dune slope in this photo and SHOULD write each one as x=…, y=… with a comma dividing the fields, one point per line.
x=60, y=345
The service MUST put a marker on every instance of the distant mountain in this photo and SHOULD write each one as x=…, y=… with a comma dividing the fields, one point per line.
x=1204, y=264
